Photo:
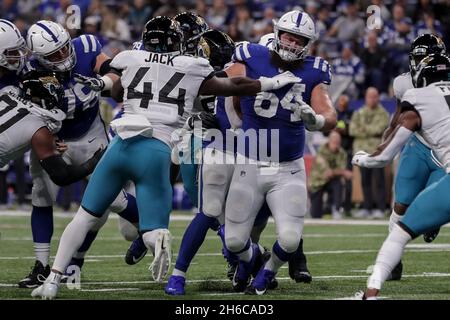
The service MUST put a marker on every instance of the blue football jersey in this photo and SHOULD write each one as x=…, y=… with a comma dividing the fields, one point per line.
x=271, y=110
x=80, y=102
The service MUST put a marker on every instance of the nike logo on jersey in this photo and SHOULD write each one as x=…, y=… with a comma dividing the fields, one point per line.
x=160, y=58
x=295, y=171
x=89, y=141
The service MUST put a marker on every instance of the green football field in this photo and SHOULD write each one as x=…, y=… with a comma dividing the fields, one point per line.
x=338, y=258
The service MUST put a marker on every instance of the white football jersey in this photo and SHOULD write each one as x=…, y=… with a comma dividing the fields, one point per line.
x=401, y=84
x=159, y=92
x=433, y=105
x=19, y=121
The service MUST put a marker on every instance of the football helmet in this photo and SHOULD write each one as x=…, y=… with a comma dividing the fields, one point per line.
x=42, y=88
x=13, y=50
x=423, y=46
x=297, y=23
x=52, y=46
x=192, y=26
x=217, y=47
x=433, y=68
x=163, y=35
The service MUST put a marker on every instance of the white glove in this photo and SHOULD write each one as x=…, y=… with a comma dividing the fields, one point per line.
x=360, y=158
x=278, y=81
x=54, y=126
x=312, y=121
x=104, y=83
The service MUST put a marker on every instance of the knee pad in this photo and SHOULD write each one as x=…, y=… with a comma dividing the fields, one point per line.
x=235, y=244
x=289, y=240
x=128, y=230
x=119, y=204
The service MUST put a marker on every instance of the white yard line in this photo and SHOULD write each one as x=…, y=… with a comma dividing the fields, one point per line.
x=325, y=278
x=438, y=247
x=188, y=217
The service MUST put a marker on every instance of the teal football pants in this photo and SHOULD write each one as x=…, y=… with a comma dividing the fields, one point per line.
x=146, y=162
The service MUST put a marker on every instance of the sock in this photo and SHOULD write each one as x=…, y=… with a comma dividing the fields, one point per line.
x=393, y=219
x=42, y=230
x=193, y=239
x=130, y=213
x=73, y=237
x=246, y=254
x=128, y=230
x=388, y=257
x=42, y=252
x=278, y=257
x=179, y=273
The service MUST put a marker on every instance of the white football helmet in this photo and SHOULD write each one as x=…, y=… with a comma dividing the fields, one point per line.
x=298, y=23
x=52, y=45
x=13, y=50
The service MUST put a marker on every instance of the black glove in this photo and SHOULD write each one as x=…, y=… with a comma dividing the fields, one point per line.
x=90, y=164
x=208, y=120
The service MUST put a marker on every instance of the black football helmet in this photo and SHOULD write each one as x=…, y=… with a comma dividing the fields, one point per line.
x=433, y=68
x=193, y=27
x=423, y=46
x=163, y=35
x=217, y=47
x=42, y=88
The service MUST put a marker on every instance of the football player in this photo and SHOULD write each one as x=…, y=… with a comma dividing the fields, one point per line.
x=83, y=131
x=424, y=109
x=25, y=119
x=418, y=166
x=160, y=86
x=13, y=53
x=286, y=112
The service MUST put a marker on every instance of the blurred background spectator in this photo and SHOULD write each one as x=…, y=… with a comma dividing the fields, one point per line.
x=366, y=127
x=327, y=177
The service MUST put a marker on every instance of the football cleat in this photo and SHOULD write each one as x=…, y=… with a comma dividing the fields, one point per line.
x=49, y=289
x=241, y=278
x=298, y=269
x=36, y=277
x=261, y=282
x=396, y=273
x=175, y=286
x=136, y=252
x=430, y=236
x=163, y=255
x=75, y=264
x=231, y=269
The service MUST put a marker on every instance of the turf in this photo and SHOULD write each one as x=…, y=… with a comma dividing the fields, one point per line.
x=338, y=257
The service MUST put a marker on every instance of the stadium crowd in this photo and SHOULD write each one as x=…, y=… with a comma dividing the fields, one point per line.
x=364, y=59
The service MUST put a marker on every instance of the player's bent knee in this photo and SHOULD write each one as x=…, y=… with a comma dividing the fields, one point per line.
x=289, y=240
x=127, y=229
x=213, y=207
x=235, y=244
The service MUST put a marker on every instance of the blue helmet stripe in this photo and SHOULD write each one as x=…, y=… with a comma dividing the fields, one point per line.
x=299, y=19
x=43, y=26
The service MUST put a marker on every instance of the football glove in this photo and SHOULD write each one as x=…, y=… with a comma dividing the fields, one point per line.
x=312, y=121
x=360, y=158
x=208, y=120
x=278, y=81
x=93, y=83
